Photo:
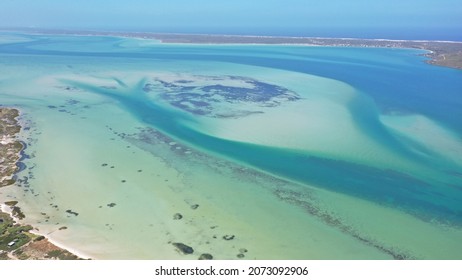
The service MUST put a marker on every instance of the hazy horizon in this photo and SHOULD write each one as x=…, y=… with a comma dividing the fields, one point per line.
x=413, y=19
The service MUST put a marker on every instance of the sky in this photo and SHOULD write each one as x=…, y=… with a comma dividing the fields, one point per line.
x=337, y=18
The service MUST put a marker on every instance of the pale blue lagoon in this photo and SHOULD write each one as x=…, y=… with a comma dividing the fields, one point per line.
x=239, y=151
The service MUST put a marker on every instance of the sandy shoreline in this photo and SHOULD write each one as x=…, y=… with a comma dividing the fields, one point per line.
x=63, y=246
x=6, y=209
x=11, y=127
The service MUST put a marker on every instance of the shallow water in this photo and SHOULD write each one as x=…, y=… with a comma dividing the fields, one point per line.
x=296, y=152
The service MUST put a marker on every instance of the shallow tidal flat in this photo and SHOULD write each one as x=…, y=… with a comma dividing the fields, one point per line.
x=153, y=151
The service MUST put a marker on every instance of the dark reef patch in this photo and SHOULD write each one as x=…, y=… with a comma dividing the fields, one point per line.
x=228, y=237
x=206, y=257
x=302, y=201
x=222, y=97
x=72, y=212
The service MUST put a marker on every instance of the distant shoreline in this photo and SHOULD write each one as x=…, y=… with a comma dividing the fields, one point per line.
x=440, y=53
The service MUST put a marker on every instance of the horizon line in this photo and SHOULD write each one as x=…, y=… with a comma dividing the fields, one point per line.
x=118, y=32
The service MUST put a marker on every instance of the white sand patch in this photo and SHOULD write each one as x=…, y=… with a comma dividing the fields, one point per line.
x=320, y=125
x=428, y=133
x=5, y=140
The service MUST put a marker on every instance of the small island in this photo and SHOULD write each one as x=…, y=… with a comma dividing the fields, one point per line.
x=17, y=242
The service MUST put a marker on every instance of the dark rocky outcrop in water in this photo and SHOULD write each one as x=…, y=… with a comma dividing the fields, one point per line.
x=185, y=249
x=228, y=237
x=72, y=212
x=206, y=257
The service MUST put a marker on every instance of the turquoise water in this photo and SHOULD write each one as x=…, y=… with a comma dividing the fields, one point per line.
x=362, y=143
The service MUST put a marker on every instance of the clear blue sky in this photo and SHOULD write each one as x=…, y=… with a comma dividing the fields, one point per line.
x=367, y=18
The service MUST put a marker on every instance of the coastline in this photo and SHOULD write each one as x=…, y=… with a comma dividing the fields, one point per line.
x=440, y=52
x=138, y=175
x=20, y=241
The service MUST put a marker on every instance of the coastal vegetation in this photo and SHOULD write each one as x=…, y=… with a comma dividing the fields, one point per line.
x=10, y=148
x=18, y=243
x=16, y=240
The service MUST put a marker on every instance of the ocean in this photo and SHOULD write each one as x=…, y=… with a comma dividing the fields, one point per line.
x=239, y=151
